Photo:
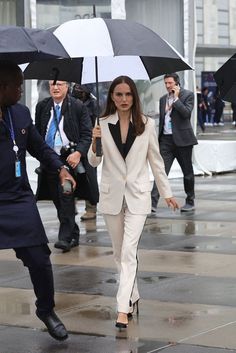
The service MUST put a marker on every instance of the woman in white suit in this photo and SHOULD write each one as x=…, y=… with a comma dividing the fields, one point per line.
x=129, y=145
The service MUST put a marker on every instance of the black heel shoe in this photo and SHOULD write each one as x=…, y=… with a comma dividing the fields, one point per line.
x=121, y=325
x=135, y=306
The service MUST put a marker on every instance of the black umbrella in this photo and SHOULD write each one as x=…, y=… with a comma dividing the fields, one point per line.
x=225, y=78
x=55, y=69
x=22, y=45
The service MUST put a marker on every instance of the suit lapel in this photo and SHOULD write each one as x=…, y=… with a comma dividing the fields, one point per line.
x=130, y=139
x=45, y=115
x=114, y=128
x=115, y=132
x=163, y=106
x=162, y=114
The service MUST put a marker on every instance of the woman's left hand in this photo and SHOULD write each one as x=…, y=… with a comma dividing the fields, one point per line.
x=171, y=202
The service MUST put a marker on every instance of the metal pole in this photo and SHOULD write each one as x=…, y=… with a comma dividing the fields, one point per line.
x=98, y=140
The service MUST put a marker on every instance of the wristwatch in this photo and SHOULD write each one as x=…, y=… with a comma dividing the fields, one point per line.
x=63, y=167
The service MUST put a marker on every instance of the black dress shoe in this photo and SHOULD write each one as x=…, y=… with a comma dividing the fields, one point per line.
x=63, y=245
x=54, y=325
x=74, y=243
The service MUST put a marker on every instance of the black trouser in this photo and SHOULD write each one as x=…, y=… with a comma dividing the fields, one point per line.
x=218, y=113
x=65, y=205
x=200, y=119
x=169, y=151
x=37, y=259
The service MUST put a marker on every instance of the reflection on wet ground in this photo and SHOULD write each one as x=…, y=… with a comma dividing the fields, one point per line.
x=187, y=281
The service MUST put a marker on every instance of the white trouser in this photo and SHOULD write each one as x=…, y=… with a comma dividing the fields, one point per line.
x=125, y=230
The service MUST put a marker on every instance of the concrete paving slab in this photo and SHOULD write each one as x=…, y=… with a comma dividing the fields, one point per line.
x=25, y=342
x=172, y=322
x=187, y=283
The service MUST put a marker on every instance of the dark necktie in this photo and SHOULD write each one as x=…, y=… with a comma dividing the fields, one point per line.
x=54, y=125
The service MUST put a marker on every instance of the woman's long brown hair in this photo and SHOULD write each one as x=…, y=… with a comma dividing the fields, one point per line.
x=137, y=116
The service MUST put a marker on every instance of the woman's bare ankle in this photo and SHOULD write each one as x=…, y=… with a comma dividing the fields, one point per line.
x=122, y=317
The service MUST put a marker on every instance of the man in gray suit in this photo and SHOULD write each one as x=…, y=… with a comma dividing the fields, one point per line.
x=176, y=136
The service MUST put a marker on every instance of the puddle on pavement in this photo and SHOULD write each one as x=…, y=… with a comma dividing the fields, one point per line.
x=190, y=227
x=179, y=320
x=98, y=312
x=111, y=280
x=153, y=279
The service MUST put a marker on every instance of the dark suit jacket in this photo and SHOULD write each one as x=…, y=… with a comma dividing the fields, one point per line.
x=182, y=130
x=78, y=129
x=20, y=223
x=77, y=123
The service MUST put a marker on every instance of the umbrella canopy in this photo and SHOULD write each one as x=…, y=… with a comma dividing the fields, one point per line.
x=54, y=69
x=97, y=37
x=225, y=78
x=120, y=47
x=109, y=37
x=22, y=45
x=82, y=70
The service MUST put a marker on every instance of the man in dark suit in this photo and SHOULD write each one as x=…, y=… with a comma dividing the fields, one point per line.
x=20, y=225
x=176, y=136
x=68, y=131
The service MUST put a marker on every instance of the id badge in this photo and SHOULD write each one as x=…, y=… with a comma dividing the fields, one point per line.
x=17, y=169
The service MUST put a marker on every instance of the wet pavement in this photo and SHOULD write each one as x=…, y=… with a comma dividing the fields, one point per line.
x=187, y=281
x=187, y=272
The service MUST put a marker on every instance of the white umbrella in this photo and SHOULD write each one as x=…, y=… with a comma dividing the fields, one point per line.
x=107, y=48
x=110, y=67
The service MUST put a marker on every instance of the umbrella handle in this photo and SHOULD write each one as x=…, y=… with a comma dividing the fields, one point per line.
x=98, y=147
x=56, y=71
x=98, y=140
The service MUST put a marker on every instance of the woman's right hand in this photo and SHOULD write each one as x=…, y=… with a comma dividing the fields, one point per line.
x=171, y=202
x=96, y=133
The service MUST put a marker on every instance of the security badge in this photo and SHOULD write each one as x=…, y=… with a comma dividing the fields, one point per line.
x=17, y=162
x=17, y=169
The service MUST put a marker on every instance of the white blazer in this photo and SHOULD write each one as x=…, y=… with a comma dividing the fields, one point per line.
x=129, y=178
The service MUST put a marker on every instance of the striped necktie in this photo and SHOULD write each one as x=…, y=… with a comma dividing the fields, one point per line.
x=53, y=126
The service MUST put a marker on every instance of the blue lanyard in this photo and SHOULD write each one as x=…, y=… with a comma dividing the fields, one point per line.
x=12, y=133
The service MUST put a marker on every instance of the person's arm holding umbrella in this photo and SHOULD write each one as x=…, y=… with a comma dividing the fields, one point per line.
x=95, y=160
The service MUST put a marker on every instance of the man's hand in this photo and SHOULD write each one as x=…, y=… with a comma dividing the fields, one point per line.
x=65, y=175
x=171, y=202
x=73, y=159
x=176, y=90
